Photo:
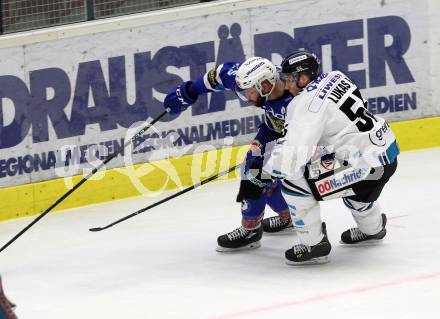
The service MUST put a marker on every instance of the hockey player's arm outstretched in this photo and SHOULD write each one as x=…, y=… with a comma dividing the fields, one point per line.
x=218, y=79
x=252, y=81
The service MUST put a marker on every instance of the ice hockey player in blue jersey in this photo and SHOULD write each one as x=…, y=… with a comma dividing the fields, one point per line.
x=257, y=81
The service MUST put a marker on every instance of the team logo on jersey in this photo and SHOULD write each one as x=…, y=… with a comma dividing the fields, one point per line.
x=328, y=164
x=274, y=115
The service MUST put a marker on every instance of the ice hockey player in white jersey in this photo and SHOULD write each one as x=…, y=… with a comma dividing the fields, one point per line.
x=333, y=148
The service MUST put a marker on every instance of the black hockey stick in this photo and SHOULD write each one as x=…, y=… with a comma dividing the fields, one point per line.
x=108, y=159
x=209, y=179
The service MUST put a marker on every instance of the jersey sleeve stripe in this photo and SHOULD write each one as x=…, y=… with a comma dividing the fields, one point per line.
x=218, y=78
x=208, y=84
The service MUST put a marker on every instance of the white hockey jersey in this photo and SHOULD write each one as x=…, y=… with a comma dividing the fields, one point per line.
x=330, y=116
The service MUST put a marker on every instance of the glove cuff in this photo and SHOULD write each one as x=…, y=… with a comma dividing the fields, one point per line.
x=185, y=92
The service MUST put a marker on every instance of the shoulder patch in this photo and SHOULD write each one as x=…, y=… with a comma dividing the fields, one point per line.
x=212, y=75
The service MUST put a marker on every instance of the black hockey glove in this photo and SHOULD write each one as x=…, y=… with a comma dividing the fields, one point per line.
x=252, y=183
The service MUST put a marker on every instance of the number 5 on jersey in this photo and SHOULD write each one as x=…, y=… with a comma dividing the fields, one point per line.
x=363, y=119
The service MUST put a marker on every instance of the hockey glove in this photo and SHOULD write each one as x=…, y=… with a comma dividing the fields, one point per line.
x=179, y=98
x=252, y=183
x=254, y=157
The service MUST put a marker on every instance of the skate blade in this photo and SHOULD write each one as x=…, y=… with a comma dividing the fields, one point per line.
x=313, y=261
x=255, y=245
x=367, y=243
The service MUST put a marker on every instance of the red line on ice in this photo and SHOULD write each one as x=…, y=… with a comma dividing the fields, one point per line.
x=327, y=296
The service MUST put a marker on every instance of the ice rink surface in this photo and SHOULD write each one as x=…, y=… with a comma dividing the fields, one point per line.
x=163, y=263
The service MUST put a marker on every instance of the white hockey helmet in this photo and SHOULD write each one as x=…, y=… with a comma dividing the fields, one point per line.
x=252, y=73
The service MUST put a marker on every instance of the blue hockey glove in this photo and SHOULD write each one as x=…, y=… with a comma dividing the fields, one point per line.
x=179, y=99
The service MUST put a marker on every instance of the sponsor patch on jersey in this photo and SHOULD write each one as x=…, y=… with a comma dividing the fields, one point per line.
x=340, y=180
x=314, y=85
x=377, y=137
x=328, y=86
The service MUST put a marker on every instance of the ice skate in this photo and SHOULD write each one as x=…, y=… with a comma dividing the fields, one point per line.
x=240, y=239
x=277, y=225
x=354, y=236
x=308, y=255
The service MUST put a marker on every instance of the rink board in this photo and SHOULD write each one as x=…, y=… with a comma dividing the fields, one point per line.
x=148, y=179
x=84, y=86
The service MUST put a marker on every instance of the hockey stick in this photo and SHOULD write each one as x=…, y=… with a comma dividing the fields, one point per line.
x=210, y=179
x=108, y=159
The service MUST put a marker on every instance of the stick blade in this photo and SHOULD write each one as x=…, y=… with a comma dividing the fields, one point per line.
x=96, y=229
